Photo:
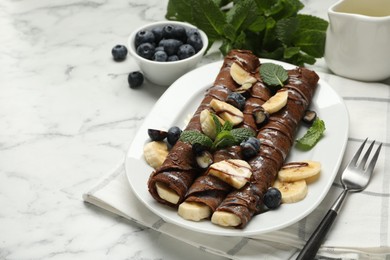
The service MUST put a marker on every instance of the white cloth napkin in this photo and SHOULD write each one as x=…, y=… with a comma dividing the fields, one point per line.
x=362, y=229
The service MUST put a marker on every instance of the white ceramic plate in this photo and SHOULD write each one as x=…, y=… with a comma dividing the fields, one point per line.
x=180, y=101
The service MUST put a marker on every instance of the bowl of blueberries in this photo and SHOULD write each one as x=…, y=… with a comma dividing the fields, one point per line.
x=166, y=50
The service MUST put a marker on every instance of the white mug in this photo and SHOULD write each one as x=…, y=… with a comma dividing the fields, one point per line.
x=358, y=39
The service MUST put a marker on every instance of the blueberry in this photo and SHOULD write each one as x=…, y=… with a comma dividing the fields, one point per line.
x=255, y=142
x=309, y=117
x=144, y=36
x=167, y=31
x=272, y=198
x=119, y=52
x=173, y=58
x=179, y=33
x=160, y=56
x=159, y=48
x=158, y=33
x=237, y=100
x=198, y=149
x=171, y=46
x=192, y=31
x=157, y=135
x=173, y=134
x=261, y=116
x=185, y=51
x=135, y=79
x=204, y=159
x=250, y=147
x=195, y=41
x=146, y=50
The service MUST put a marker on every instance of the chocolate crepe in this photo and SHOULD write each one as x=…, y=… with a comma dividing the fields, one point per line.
x=276, y=141
x=210, y=190
x=179, y=170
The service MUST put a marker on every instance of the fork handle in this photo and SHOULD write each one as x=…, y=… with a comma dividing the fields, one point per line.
x=310, y=250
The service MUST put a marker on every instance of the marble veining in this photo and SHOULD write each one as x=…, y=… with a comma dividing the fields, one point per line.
x=67, y=118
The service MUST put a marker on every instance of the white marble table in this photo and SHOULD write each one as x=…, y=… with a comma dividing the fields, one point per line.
x=67, y=117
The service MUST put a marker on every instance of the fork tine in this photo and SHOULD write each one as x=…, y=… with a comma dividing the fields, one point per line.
x=362, y=164
x=357, y=154
x=371, y=165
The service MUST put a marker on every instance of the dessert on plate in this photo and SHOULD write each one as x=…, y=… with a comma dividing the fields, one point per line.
x=229, y=184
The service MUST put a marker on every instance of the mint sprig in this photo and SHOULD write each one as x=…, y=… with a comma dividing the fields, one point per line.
x=225, y=138
x=193, y=137
x=270, y=29
x=273, y=74
x=312, y=135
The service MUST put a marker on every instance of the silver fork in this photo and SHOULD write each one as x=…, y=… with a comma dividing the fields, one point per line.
x=354, y=178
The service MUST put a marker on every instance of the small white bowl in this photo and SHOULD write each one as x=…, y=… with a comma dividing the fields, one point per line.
x=165, y=73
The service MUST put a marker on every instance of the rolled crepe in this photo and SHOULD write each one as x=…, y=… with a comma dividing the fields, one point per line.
x=210, y=190
x=179, y=170
x=276, y=138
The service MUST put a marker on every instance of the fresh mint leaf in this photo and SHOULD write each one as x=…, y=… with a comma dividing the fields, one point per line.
x=218, y=125
x=310, y=22
x=312, y=135
x=258, y=24
x=312, y=42
x=208, y=17
x=179, y=10
x=289, y=8
x=291, y=52
x=229, y=32
x=286, y=29
x=311, y=35
x=242, y=14
x=266, y=27
x=227, y=126
x=192, y=137
x=273, y=74
x=223, y=139
x=241, y=134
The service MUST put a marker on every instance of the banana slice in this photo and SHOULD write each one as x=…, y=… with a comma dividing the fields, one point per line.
x=296, y=171
x=276, y=102
x=155, y=153
x=225, y=219
x=166, y=193
x=207, y=123
x=241, y=76
x=292, y=191
x=194, y=211
x=227, y=112
x=233, y=171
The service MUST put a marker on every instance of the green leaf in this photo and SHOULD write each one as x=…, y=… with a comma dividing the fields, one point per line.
x=192, y=137
x=242, y=14
x=291, y=52
x=208, y=17
x=266, y=27
x=241, y=134
x=227, y=126
x=286, y=29
x=225, y=47
x=229, y=32
x=309, y=22
x=311, y=35
x=218, y=125
x=273, y=74
x=312, y=136
x=258, y=24
x=179, y=10
x=223, y=139
x=312, y=42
